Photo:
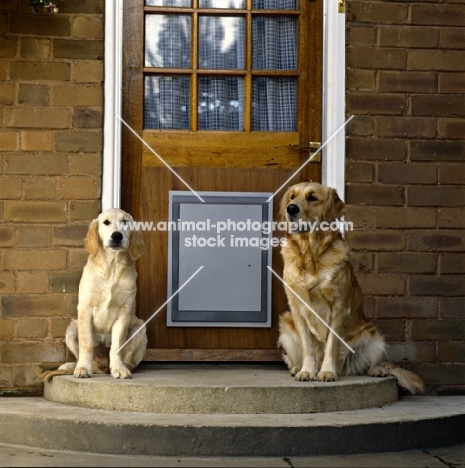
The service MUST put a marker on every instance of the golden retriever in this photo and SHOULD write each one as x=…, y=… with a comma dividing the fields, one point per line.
x=107, y=299
x=317, y=268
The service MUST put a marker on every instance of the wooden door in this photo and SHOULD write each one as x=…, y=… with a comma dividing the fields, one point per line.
x=177, y=55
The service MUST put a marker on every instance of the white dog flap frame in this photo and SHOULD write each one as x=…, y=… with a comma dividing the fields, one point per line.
x=227, y=235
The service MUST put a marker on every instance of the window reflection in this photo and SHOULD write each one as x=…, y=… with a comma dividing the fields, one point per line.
x=221, y=42
x=222, y=4
x=166, y=102
x=275, y=4
x=167, y=41
x=221, y=102
x=169, y=3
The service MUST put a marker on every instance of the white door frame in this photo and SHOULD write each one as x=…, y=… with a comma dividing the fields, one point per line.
x=333, y=112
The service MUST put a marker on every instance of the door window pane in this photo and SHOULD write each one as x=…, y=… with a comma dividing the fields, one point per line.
x=221, y=42
x=275, y=4
x=221, y=102
x=274, y=45
x=274, y=104
x=222, y=4
x=166, y=102
x=167, y=41
x=169, y=3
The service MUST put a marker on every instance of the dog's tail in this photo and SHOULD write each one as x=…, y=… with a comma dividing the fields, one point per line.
x=405, y=378
x=46, y=372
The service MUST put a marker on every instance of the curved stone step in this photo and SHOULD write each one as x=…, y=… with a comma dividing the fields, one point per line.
x=411, y=423
x=232, y=389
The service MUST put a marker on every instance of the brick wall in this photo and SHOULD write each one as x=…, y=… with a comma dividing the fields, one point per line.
x=51, y=95
x=405, y=178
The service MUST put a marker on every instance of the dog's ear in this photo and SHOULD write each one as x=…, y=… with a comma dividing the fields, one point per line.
x=137, y=246
x=92, y=240
x=283, y=206
x=335, y=207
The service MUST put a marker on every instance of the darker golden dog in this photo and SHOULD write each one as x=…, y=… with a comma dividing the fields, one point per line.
x=316, y=267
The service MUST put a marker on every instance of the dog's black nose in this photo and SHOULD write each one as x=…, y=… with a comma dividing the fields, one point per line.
x=117, y=236
x=292, y=209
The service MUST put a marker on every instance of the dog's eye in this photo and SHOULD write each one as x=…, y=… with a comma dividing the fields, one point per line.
x=125, y=221
x=106, y=222
x=292, y=197
x=311, y=197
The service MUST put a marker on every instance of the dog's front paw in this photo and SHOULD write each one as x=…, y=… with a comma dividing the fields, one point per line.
x=304, y=376
x=82, y=372
x=294, y=370
x=121, y=373
x=327, y=376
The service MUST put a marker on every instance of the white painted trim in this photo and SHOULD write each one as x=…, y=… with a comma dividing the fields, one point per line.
x=333, y=164
x=111, y=177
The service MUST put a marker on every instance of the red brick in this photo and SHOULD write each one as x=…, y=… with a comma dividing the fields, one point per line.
x=406, y=82
x=452, y=307
x=392, y=330
x=361, y=125
x=359, y=171
x=374, y=195
x=360, y=216
x=441, y=60
x=375, y=103
x=442, y=105
x=362, y=261
x=372, y=149
x=407, y=262
x=432, y=330
x=452, y=173
x=383, y=59
x=453, y=38
x=11, y=187
x=406, y=127
x=451, y=218
x=439, y=240
x=376, y=12
x=412, y=352
x=37, y=282
x=451, y=82
x=408, y=37
x=376, y=240
x=436, y=196
x=363, y=35
x=428, y=285
x=33, y=352
x=7, y=282
x=8, y=237
x=360, y=80
x=403, y=217
x=35, y=211
x=449, y=15
x=39, y=25
x=34, y=259
x=42, y=305
x=453, y=263
x=413, y=173
x=451, y=128
x=451, y=352
x=437, y=150
x=440, y=374
x=407, y=307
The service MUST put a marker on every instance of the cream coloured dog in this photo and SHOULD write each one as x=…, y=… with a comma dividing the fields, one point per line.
x=317, y=268
x=107, y=300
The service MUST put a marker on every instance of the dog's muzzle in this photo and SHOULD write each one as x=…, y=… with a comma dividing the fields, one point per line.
x=115, y=240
